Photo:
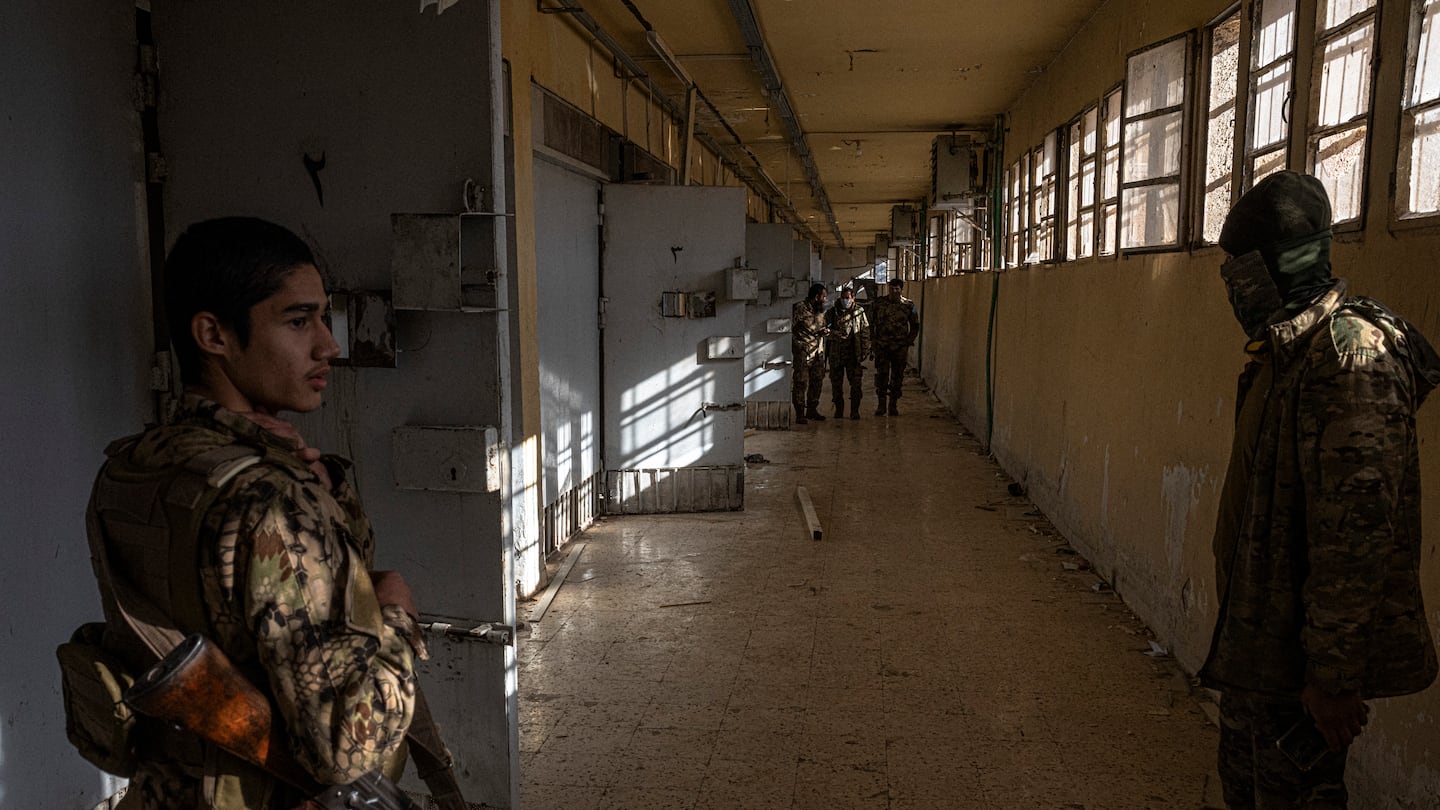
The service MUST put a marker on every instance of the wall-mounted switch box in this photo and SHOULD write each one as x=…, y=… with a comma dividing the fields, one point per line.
x=724, y=347
x=446, y=459
x=701, y=305
x=742, y=283
x=787, y=287
x=672, y=304
x=443, y=262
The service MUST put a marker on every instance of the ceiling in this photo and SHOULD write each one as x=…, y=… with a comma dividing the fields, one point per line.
x=870, y=82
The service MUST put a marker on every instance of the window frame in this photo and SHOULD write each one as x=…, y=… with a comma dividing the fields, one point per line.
x=1017, y=196
x=1239, y=109
x=1256, y=71
x=1315, y=132
x=1181, y=175
x=1074, y=199
x=1042, y=191
x=1108, y=208
x=1401, y=217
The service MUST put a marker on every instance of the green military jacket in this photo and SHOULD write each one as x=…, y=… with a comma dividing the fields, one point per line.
x=849, y=337
x=1318, y=545
x=806, y=342
x=284, y=572
x=895, y=323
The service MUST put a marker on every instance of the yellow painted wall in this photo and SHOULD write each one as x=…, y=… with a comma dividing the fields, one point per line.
x=1114, y=381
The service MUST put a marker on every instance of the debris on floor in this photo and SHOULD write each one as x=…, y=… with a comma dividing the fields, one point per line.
x=1157, y=650
x=756, y=458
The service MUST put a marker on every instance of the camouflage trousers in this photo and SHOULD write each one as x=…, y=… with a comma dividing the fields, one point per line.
x=1255, y=775
x=890, y=370
x=806, y=379
x=842, y=367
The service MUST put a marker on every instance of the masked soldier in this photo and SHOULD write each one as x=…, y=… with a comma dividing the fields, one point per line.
x=1317, y=545
x=807, y=349
x=896, y=325
x=277, y=572
x=848, y=347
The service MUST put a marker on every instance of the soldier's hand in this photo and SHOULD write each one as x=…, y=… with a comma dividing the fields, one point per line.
x=1340, y=718
x=287, y=431
x=391, y=589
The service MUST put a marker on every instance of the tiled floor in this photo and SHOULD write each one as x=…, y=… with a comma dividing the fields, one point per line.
x=925, y=654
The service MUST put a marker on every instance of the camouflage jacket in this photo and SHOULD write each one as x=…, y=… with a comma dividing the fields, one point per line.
x=806, y=342
x=895, y=324
x=284, y=573
x=1318, y=545
x=849, y=338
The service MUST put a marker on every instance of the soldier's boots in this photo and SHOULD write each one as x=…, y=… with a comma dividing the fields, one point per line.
x=854, y=409
x=839, y=409
x=814, y=413
x=894, y=406
x=880, y=409
x=799, y=416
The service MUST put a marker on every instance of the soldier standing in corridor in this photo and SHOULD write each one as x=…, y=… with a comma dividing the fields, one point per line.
x=848, y=346
x=895, y=325
x=807, y=350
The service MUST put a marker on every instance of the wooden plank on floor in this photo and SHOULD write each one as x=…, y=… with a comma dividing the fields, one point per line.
x=573, y=557
x=810, y=518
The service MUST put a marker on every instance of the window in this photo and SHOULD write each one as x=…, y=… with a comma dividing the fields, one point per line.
x=1344, y=62
x=1016, y=199
x=1152, y=145
x=1419, y=175
x=1223, y=58
x=1042, y=201
x=1082, y=146
x=1110, y=172
x=1272, y=88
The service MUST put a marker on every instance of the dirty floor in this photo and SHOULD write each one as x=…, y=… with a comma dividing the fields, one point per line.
x=933, y=650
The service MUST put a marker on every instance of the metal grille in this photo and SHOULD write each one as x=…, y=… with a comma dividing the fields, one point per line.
x=569, y=514
x=768, y=415
x=667, y=490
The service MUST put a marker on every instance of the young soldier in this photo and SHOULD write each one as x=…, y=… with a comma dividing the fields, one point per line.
x=278, y=573
x=896, y=326
x=848, y=347
x=1317, y=546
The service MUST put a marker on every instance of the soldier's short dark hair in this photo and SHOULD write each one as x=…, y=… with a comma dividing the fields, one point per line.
x=225, y=267
x=816, y=289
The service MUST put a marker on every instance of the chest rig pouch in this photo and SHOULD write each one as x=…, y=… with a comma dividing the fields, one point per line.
x=142, y=525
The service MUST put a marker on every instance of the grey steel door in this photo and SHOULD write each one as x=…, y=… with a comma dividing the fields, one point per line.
x=674, y=349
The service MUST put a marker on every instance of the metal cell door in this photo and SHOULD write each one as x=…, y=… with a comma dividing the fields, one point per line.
x=673, y=349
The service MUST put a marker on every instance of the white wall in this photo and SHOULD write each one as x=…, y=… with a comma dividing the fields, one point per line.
x=567, y=263
x=770, y=249
x=75, y=322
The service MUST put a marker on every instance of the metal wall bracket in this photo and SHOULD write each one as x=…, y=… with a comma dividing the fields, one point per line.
x=468, y=630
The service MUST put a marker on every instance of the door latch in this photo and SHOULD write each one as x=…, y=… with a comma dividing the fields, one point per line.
x=468, y=630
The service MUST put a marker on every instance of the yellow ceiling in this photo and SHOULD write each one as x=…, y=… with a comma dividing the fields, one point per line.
x=872, y=82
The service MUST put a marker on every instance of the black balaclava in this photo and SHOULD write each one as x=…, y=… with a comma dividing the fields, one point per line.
x=1285, y=218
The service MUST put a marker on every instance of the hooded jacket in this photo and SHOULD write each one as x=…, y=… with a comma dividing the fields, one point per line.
x=1318, y=543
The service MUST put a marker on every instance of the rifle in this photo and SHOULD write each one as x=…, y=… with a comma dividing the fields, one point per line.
x=197, y=689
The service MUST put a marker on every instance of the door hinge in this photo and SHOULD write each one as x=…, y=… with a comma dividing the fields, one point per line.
x=469, y=630
x=600, y=313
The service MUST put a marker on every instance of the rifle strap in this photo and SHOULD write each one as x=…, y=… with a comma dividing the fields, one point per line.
x=433, y=762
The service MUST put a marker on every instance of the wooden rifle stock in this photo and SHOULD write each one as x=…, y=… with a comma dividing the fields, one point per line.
x=196, y=688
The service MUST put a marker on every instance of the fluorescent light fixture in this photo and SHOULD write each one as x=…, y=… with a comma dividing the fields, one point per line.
x=658, y=45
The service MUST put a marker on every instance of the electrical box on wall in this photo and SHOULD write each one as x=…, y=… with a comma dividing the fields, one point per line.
x=672, y=304
x=441, y=262
x=777, y=326
x=446, y=459
x=364, y=325
x=953, y=176
x=724, y=347
x=787, y=287
x=742, y=284
x=904, y=225
x=700, y=305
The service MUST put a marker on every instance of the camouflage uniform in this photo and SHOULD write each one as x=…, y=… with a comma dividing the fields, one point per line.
x=848, y=346
x=895, y=325
x=807, y=349
x=1317, y=545
x=283, y=569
